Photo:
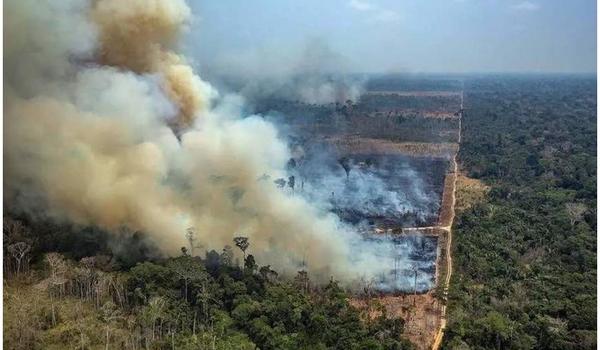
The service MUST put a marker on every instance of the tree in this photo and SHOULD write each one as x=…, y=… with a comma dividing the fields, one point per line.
x=345, y=163
x=152, y=312
x=291, y=164
x=14, y=230
x=58, y=268
x=268, y=274
x=242, y=243
x=190, y=234
x=250, y=263
x=109, y=314
x=292, y=182
x=280, y=183
x=188, y=270
x=227, y=256
x=19, y=251
x=575, y=212
x=302, y=281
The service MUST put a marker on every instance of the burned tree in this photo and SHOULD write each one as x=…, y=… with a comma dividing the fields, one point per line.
x=415, y=270
x=575, y=212
x=190, y=234
x=345, y=163
x=280, y=183
x=18, y=251
x=242, y=243
x=302, y=281
x=17, y=245
x=291, y=164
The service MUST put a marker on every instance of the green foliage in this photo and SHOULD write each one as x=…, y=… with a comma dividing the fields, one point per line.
x=189, y=303
x=525, y=261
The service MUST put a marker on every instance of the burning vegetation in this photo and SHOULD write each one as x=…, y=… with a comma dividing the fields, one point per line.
x=108, y=126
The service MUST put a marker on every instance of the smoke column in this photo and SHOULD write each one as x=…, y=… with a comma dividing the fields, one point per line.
x=93, y=93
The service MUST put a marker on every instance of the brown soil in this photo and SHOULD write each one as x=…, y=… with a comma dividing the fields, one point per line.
x=421, y=313
x=446, y=215
x=469, y=192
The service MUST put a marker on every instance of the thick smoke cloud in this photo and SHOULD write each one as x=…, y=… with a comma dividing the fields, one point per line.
x=313, y=74
x=93, y=93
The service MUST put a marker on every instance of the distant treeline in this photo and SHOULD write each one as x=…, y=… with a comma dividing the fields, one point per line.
x=404, y=82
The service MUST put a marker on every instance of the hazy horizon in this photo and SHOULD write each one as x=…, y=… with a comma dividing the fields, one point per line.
x=407, y=37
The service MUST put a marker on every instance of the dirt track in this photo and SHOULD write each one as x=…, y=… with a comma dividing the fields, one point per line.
x=439, y=336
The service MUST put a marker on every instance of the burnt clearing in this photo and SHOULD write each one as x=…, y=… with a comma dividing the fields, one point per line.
x=411, y=262
x=376, y=191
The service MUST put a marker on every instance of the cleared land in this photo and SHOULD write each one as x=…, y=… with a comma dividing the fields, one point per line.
x=389, y=123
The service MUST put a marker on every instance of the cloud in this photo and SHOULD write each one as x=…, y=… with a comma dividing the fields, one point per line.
x=375, y=12
x=360, y=5
x=526, y=6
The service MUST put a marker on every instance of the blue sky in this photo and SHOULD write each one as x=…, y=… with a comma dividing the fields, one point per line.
x=405, y=35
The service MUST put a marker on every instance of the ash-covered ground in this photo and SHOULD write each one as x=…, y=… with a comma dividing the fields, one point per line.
x=369, y=192
x=411, y=261
x=374, y=191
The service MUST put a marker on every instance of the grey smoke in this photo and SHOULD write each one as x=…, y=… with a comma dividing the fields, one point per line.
x=313, y=74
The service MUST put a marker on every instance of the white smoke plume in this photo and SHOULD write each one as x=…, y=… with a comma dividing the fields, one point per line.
x=93, y=92
x=313, y=74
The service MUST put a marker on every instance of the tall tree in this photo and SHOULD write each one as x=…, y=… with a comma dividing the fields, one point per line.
x=242, y=243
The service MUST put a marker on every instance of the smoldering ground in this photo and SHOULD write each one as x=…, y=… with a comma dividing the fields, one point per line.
x=107, y=125
x=385, y=191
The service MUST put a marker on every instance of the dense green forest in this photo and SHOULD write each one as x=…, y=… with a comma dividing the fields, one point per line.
x=69, y=300
x=525, y=260
x=413, y=82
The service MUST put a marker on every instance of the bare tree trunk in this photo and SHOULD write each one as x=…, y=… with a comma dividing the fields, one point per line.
x=186, y=290
x=106, y=347
x=52, y=307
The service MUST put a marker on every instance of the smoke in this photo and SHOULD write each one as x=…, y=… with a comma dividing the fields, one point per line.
x=376, y=190
x=93, y=92
x=139, y=36
x=313, y=74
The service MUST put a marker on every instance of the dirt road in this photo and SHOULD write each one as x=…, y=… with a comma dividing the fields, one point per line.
x=439, y=336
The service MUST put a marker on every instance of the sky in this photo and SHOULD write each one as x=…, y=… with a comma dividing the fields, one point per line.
x=383, y=36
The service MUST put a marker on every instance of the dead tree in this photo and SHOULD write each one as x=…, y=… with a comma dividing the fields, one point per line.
x=415, y=270
x=575, y=212
x=302, y=281
x=280, y=183
x=13, y=232
x=110, y=315
x=18, y=252
x=345, y=163
x=57, y=279
x=243, y=243
x=192, y=237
